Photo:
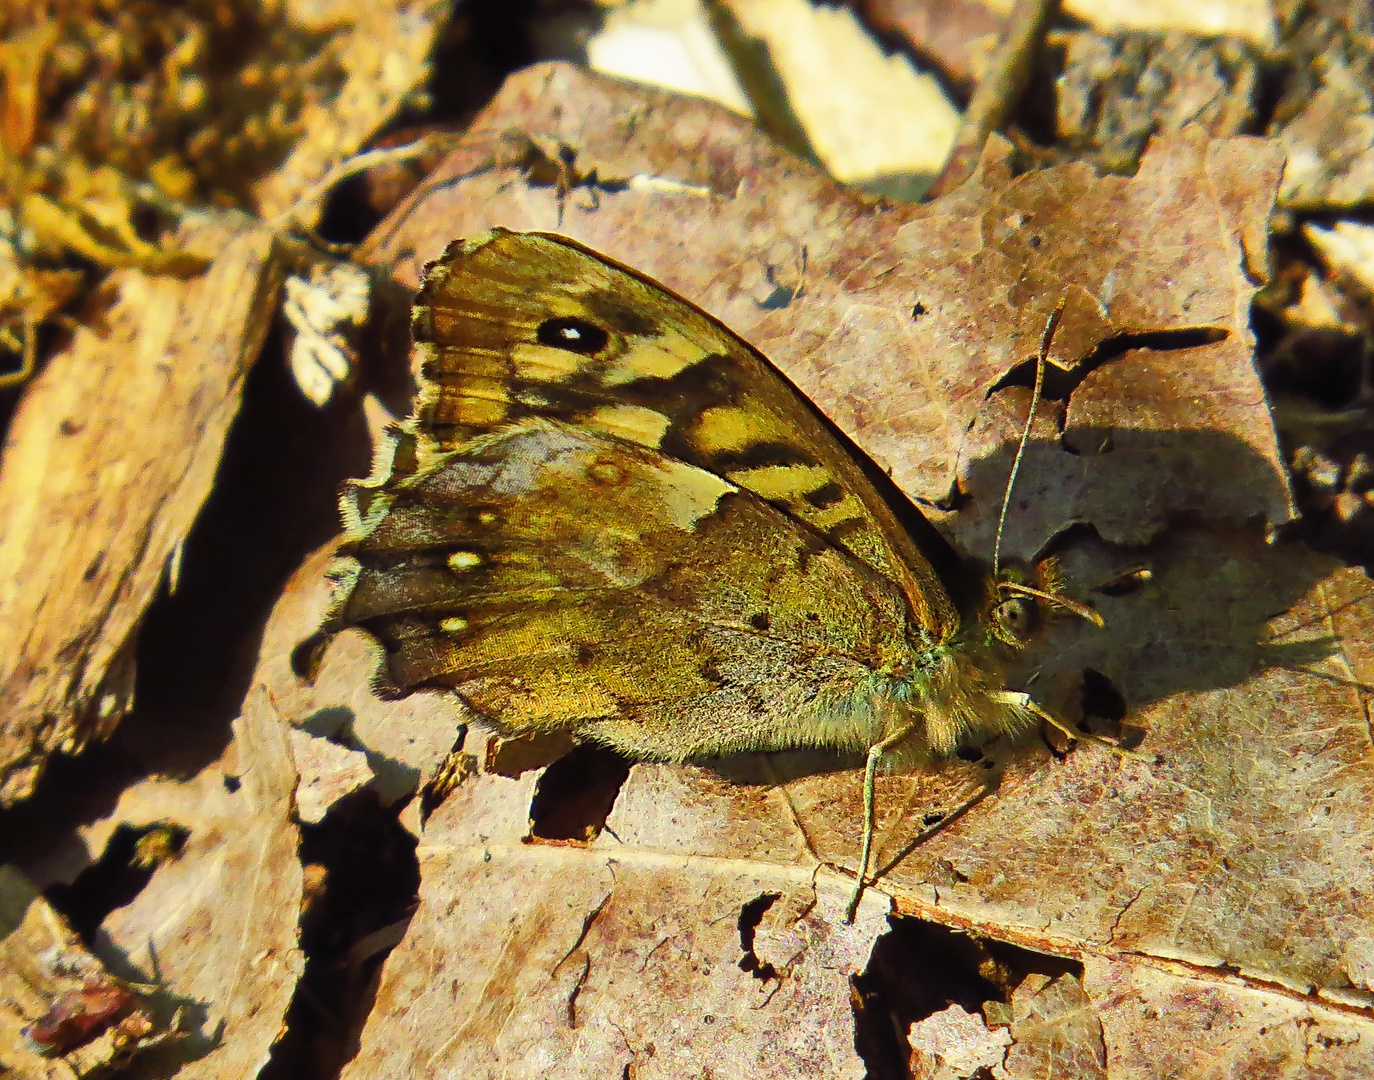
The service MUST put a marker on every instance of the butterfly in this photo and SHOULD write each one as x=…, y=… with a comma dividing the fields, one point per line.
x=610, y=516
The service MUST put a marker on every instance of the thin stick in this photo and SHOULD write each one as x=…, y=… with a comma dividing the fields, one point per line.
x=349, y=167
x=998, y=92
x=29, y=358
x=875, y=752
x=1051, y=324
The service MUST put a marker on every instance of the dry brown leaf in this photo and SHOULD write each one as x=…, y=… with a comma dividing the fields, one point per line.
x=406, y=741
x=61, y=1013
x=1239, y=856
x=108, y=459
x=1162, y=1022
x=953, y=1044
x=558, y=960
x=217, y=926
x=1054, y=1031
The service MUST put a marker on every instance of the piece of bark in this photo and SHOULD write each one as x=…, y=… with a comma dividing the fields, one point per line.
x=329, y=772
x=950, y=29
x=108, y=459
x=384, y=55
x=1115, y=93
x=958, y=35
x=1324, y=116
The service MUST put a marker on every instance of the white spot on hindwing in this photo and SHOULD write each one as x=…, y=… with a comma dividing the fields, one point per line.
x=464, y=560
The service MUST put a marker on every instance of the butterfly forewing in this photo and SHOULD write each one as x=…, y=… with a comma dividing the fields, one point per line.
x=518, y=326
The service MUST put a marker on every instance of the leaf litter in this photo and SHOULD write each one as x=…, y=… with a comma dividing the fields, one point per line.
x=701, y=923
x=1230, y=868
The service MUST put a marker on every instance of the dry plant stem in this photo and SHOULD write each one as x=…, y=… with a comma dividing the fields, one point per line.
x=875, y=754
x=349, y=167
x=1081, y=610
x=760, y=80
x=997, y=93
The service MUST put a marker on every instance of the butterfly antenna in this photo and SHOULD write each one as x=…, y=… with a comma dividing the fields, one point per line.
x=1051, y=324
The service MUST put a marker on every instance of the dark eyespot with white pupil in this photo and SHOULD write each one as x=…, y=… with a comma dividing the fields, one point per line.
x=575, y=335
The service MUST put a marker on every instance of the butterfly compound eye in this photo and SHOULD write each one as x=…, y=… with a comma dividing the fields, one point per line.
x=1015, y=619
x=575, y=335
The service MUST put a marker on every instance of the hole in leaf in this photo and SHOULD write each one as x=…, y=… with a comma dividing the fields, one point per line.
x=750, y=915
x=1324, y=366
x=1104, y=706
x=1060, y=384
x=126, y=865
x=576, y=793
x=918, y=969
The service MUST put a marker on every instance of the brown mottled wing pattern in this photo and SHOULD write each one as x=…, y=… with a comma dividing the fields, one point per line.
x=517, y=326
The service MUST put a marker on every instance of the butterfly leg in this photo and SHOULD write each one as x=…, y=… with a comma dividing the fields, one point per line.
x=875, y=754
x=1023, y=701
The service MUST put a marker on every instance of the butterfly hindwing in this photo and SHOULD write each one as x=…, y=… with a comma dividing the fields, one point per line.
x=562, y=579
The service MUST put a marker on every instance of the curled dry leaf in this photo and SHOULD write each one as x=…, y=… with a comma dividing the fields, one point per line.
x=1233, y=863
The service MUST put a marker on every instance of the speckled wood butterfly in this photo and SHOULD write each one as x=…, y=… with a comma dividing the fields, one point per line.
x=612, y=517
